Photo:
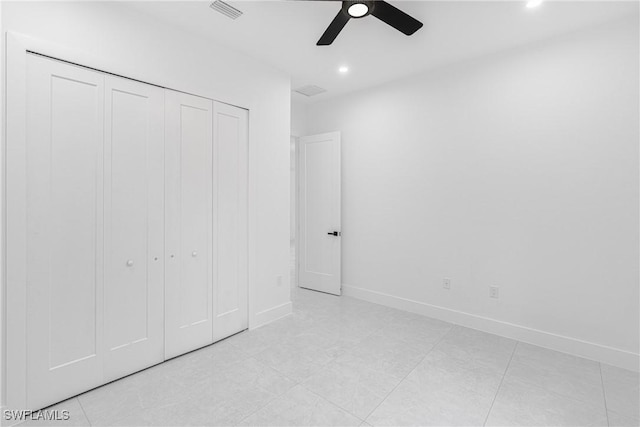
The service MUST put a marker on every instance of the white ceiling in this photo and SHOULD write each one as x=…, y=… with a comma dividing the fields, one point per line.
x=284, y=34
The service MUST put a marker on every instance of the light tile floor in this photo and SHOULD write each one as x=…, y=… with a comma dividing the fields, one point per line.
x=341, y=361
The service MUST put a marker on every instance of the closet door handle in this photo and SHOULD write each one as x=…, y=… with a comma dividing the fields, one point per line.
x=130, y=263
x=194, y=254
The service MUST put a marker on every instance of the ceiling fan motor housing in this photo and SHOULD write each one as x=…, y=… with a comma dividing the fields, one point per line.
x=380, y=9
x=347, y=4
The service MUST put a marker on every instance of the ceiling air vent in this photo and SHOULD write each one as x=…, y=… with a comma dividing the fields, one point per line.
x=226, y=9
x=310, y=90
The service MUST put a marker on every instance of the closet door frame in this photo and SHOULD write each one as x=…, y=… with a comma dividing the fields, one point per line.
x=13, y=214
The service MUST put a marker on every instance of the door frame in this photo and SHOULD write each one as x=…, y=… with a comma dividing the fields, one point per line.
x=13, y=301
x=294, y=168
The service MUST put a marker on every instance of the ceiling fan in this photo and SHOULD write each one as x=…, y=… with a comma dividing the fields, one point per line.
x=361, y=8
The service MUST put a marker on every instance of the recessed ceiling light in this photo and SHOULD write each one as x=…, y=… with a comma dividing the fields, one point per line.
x=358, y=10
x=343, y=69
x=533, y=3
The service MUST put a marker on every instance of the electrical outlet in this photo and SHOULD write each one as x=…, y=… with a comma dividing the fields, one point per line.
x=494, y=292
x=446, y=283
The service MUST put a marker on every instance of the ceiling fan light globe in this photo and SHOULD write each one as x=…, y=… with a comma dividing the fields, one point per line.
x=358, y=10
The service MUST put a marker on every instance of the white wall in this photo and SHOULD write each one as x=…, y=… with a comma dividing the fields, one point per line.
x=520, y=170
x=136, y=46
x=293, y=190
x=298, y=118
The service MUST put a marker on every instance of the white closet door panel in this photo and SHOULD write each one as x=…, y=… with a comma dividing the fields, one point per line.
x=134, y=194
x=195, y=156
x=64, y=230
x=188, y=189
x=230, y=237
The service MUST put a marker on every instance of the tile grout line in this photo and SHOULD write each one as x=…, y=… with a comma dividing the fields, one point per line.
x=83, y=411
x=334, y=404
x=333, y=360
x=296, y=383
x=405, y=377
x=364, y=420
x=546, y=389
x=558, y=394
x=268, y=401
x=604, y=394
x=267, y=365
x=500, y=385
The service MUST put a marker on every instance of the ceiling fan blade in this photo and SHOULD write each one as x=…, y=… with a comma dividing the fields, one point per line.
x=333, y=29
x=396, y=18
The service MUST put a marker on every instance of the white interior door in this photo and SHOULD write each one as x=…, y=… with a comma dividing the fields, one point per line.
x=134, y=226
x=319, y=208
x=65, y=240
x=188, y=222
x=231, y=139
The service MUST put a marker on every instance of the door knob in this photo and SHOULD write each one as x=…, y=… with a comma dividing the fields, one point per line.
x=130, y=263
x=335, y=233
x=194, y=254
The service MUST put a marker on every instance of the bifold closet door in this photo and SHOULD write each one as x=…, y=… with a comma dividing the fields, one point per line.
x=188, y=222
x=134, y=226
x=230, y=236
x=95, y=308
x=65, y=240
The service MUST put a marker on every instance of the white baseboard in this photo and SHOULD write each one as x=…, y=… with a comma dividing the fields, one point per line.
x=274, y=313
x=609, y=355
